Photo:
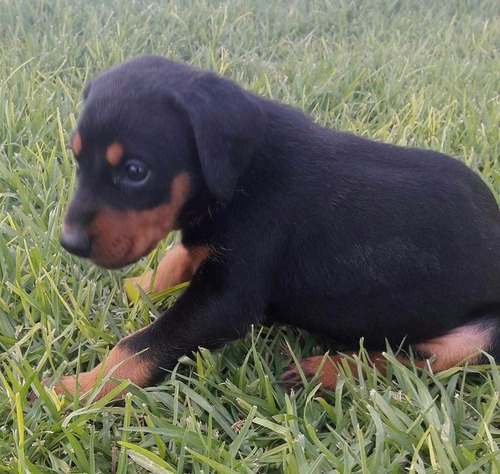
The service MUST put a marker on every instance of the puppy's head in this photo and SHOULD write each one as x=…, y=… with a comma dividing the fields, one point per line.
x=153, y=133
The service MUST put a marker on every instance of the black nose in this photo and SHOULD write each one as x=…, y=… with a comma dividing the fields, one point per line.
x=77, y=242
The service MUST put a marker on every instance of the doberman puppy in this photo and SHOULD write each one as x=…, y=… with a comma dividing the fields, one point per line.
x=281, y=219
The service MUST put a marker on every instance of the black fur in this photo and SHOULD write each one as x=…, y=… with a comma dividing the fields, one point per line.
x=323, y=230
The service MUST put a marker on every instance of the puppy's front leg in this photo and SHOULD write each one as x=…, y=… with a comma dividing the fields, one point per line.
x=178, y=266
x=210, y=313
x=120, y=364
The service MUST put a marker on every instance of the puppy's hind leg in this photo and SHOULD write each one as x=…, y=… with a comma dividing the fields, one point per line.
x=464, y=344
x=328, y=368
x=461, y=345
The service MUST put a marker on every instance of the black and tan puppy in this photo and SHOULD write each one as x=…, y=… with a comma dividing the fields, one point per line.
x=281, y=219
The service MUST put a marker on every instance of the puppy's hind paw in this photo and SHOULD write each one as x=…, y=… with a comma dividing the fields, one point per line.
x=328, y=373
x=292, y=380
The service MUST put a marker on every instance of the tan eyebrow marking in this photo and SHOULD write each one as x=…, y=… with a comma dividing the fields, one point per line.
x=114, y=153
x=76, y=144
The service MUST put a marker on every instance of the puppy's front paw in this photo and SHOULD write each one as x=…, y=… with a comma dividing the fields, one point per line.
x=83, y=385
x=121, y=364
x=132, y=285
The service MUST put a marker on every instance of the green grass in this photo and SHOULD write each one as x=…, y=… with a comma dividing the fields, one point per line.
x=421, y=73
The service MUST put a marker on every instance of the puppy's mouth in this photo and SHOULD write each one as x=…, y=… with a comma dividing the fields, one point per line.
x=120, y=256
x=113, y=246
x=122, y=238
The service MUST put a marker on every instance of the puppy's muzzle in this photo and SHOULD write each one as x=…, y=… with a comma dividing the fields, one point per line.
x=76, y=241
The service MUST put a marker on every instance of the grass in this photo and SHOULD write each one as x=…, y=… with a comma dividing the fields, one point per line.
x=413, y=73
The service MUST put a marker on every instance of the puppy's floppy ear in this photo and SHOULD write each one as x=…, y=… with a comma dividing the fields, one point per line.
x=228, y=125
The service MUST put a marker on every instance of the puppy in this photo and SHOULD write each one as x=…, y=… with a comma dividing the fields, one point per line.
x=281, y=219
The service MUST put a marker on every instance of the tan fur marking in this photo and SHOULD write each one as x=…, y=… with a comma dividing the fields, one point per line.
x=76, y=144
x=456, y=347
x=120, y=238
x=177, y=266
x=114, y=153
x=120, y=364
x=329, y=370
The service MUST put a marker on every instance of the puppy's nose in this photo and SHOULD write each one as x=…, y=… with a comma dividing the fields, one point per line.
x=76, y=242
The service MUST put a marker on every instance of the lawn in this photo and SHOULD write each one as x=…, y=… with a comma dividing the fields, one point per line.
x=421, y=73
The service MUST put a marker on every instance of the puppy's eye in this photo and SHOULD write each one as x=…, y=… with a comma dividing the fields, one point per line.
x=136, y=172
